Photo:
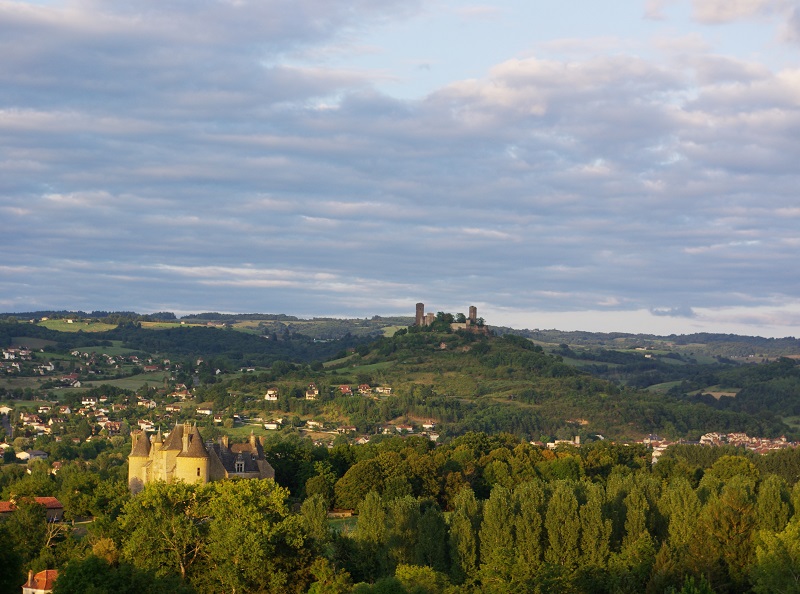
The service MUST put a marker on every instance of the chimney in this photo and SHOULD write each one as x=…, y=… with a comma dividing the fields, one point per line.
x=223, y=441
x=185, y=436
x=252, y=440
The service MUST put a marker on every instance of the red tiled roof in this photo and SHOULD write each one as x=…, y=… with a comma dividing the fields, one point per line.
x=44, y=580
x=47, y=502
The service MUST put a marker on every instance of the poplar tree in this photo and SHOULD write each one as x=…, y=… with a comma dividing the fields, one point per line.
x=403, y=520
x=563, y=527
x=497, y=536
x=772, y=504
x=370, y=535
x=595, y=529
x=464, y=522
x=528, y=529
x=636, y=508
x=432, y=547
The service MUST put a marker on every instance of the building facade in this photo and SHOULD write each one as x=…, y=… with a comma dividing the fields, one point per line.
x=183, y=456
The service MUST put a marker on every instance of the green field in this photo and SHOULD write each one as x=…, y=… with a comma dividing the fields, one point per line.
x=131, y=383
x=662, y=388
x=793, y=422
x=77, y=325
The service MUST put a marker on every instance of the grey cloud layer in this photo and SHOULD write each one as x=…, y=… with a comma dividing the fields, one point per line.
x=174, y=160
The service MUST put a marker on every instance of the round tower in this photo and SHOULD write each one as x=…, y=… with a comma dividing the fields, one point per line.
x=137, y=461
x=191, y=465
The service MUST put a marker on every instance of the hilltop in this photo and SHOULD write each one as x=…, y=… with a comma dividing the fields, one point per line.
x=537, y=384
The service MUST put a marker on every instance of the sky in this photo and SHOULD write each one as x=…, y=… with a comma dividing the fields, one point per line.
x=624, y=165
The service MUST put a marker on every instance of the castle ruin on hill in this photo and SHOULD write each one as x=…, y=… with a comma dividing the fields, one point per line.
x=471, y=324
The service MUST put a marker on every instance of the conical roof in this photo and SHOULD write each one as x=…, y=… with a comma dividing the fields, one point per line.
x=195, y=449
x=174, y=439
x=142, y=446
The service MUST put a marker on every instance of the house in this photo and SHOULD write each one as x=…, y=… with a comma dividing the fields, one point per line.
x=314, y=424
x=173, y=408
x=346, y=429
x=205, y=410
x=272, y=394
x=182, y=456
x=386, y=390
x=40, y=583
x=53, y=507
x=31, y=455
x=364, y=389
x=272, y=425
x=404, y=429
x=88, y=400
x=145, y=425
x=312, y=392
x=346, y=390
x=4, y=410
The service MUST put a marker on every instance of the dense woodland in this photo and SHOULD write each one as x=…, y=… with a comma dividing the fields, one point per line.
x=479, y=514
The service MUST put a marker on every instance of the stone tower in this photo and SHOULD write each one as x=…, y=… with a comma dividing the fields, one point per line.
x=473, y=314
x=420, y=321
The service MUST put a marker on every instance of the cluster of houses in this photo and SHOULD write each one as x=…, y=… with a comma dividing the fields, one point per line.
x=759, y=445
x=312, y=391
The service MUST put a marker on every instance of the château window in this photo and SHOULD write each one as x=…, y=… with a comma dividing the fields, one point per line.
x=240, y=466
x=198, y=472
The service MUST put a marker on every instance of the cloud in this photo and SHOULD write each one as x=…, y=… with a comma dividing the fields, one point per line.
x=191, y=164
x=682, y=311
x=725, y=11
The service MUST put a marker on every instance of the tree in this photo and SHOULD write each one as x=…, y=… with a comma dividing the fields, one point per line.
x=563, y=527
x=772, y=504
x=165, y=528
x=595, y=529
x=371, y=536
x=528, y=529
x=314, y=513
x=359, y=480
x=11, y=575
x=328, y=580
x=777, y=565
x=497, y=537
x=727, y=523
x=464, y=522
x=432, y=545
x=27, y=529
x=403, y=520
x=421, y=579
x=254, y=544
x=94, y=575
